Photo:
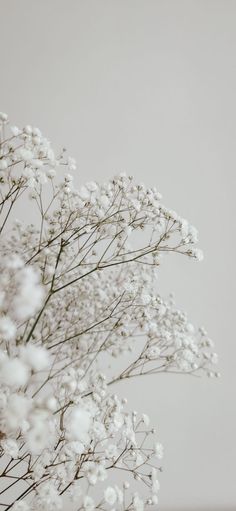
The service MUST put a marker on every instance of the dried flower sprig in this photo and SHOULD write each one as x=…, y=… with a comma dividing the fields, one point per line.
x=76, y=284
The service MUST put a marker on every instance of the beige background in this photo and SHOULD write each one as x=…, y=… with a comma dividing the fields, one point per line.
x=149, y=87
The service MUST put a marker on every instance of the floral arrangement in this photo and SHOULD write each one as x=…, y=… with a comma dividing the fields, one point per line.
x=78, y=290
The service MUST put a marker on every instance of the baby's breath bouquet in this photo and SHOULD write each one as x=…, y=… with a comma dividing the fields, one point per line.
x=78, y=290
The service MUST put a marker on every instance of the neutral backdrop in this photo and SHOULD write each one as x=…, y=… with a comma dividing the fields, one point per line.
x=149, y=87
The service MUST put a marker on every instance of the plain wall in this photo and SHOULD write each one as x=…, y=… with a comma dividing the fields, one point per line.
x=149, y=87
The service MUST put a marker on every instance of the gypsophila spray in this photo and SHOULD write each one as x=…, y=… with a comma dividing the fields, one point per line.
x=76, y=284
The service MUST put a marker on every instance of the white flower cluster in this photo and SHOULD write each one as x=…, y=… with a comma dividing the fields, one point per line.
x=21, y=294
x=79, y=284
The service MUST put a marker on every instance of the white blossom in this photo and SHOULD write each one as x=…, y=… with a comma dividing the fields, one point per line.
x=111, y=451
x=15, y=131
x=88, y=503
x=138, y=503
x=3, y=117
x=48, y=497
x=3, y=164
x=145, y=419
x=36, y=357
x=30, y=295
x=110, y=495
x=10, y=447
x=7, y=328
x=16, y=411
x=197, y=253
x=14, y=372
x=159, y=451
x=78, y=423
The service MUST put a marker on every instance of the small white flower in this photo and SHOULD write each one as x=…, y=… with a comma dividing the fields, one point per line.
x=28, y=129
x=15, y=131
x=197, y=253
x=30, y=294
x=154, y=500
x=17, y=410
x=50, y=173
x=25, y=154
x=138, y=504
x=159, y=450
x=77, y=424
x=110, y=495
x=120, y=494
x=184, y=228
x=101, y=472
x=71, y=164
x=36, y=132
x=51, y=403
x=111, y=451
x=10, y=447
x=38, y=436
x=193, y=233
x=3, y=164
x=145, y=419
x=48, y=497
x=155, y=482
x=36, y=163
x=7, y=328
x=214, y=358
x=88, y=503
x=3, y=117
x=84, y=193
x=36, y=357
x=91, y=186
x=14, y=372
